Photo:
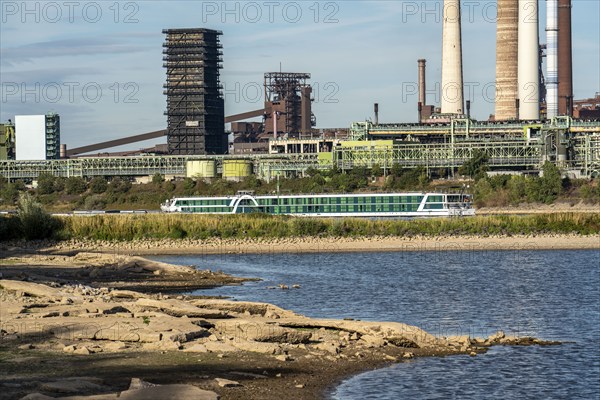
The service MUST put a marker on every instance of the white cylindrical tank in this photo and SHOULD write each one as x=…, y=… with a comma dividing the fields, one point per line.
x=452, y=96
x=529, y=56
x=552, y=58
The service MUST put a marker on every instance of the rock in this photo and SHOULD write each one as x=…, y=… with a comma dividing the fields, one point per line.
x=196, y=348
x=284, y=287
x=137, y=383
x=226, y=383
x=296, y=286
x=271, y=314
x=115, y=346
x=257, y=347
x=400, y=341
x=478, y=340
x=331, y=347
x=284, y=357
x=510, y=340
x=472, y=354
x=253, y=331
x=163, y=392
x=69, y=349
x=300, y=386
x=82, y=351
x=219, y=347
x=178, y=308
x=37, y=396
x=30, y=289
x=408, y=355
x=373, y=341
x=126, y=294
x=51, y=314
x=496, y=336
x=27, y=346
x=166, y=345
x=115, y=310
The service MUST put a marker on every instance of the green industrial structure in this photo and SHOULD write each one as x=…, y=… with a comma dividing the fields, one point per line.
x=573, y=145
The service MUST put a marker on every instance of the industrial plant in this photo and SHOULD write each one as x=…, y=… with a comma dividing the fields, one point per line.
x=536, y=116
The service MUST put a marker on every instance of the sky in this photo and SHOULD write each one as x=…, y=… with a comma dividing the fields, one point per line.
x=99, y=63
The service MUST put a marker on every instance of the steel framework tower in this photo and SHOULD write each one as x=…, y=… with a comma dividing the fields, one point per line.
x=288, y=100
x=195, y=105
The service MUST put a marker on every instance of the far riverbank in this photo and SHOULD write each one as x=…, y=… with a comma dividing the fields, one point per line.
x=341, y=244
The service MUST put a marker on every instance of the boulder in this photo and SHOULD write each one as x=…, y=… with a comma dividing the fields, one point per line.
x=30, y=289
x=179, y=308
x=226, y=382
x=257, y=347
x=219, y=347
x=372, y=340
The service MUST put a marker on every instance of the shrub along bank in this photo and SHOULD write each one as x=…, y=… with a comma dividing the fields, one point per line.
x=177, y=226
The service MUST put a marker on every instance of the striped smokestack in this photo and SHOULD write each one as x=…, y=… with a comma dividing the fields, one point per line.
x=551, y=58
x=506, y=59
x=529, y=56
x=565, y=59
x=452, y=72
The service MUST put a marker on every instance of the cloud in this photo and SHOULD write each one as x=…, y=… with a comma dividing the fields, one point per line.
x=13, y=56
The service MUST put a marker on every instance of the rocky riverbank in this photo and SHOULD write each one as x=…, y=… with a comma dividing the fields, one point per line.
x=102, y=325
x=328, y=244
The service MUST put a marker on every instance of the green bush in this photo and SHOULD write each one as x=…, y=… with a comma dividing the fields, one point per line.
x=45, y=183
x=95, y=202
x=34, y=221
x=75, y=185
x=98, y=185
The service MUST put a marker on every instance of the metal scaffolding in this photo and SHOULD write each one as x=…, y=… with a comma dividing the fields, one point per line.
x=195, y=105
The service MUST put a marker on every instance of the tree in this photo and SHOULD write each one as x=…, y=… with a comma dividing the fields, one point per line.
x=119, y=185
x=98, y=185
x=45, y=183
x=75, y=185
x=550, y=183
x=476, y=167
x=376, y=170
x=157, y=178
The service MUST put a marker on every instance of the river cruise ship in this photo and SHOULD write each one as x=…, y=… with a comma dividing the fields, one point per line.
x=372, y=205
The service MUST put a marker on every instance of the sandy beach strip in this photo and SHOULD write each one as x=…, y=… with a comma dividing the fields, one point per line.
x=334, y=245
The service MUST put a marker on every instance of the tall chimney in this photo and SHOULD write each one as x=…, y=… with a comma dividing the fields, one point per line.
x=507, y=38
x=551, y=58
x=376, y=111
x=422, y=92
x=452, y=72
x=565, y=59
x=529, y=58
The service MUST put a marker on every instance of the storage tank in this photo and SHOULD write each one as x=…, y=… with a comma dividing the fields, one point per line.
x=201, y=169
x=236, y=170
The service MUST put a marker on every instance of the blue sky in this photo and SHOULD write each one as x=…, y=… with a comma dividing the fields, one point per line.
x=99, y=63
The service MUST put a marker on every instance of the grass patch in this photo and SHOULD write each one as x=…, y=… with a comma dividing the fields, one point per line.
x=202, y=227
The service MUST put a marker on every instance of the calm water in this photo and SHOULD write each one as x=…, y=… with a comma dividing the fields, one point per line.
x=549, y=294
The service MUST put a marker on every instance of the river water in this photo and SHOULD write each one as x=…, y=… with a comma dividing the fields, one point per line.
x=553, y=295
